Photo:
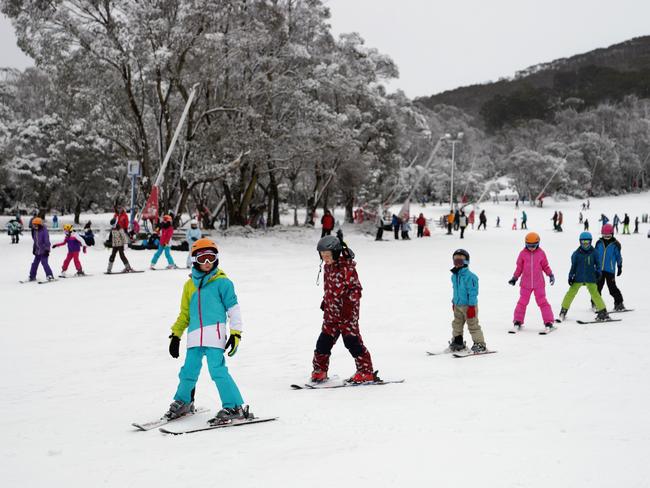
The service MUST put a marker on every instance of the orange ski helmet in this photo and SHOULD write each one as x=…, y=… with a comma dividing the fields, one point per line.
x=204, y=243
x=532, y=238
x=37, y=221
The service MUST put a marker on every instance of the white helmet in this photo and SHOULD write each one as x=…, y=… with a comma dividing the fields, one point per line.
x=194, y=222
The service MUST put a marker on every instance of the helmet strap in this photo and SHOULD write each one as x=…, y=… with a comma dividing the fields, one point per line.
x=320, y=268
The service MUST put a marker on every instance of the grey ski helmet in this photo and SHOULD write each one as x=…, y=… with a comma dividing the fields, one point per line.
x=330, y=243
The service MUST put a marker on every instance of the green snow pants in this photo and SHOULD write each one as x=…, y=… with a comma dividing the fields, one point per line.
x=592, y=288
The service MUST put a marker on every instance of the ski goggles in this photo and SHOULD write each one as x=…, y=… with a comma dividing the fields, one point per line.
x=585, y=242
x=532, y=246
x=607, y=236
x=206, y=257
x=460, y=261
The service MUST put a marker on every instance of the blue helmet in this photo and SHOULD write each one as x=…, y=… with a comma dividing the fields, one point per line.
x=585, y=236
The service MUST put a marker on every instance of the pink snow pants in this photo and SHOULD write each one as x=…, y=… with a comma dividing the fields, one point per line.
x=542, y=303
x=72, y=255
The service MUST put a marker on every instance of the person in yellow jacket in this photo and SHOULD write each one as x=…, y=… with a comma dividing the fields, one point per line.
x=207, y=303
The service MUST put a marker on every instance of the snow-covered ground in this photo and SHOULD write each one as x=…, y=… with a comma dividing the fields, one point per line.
x=83, y=358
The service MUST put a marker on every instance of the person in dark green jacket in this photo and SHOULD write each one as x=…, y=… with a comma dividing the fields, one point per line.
x=585, y=271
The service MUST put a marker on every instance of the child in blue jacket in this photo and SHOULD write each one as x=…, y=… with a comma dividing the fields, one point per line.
x=465, y=304
x=208, y=302
x=585, y=271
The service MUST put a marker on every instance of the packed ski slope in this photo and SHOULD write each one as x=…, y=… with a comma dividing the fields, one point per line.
x=82, y=358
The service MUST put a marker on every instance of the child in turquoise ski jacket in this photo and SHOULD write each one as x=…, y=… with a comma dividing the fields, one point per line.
x=207, y=304
x=465, y=304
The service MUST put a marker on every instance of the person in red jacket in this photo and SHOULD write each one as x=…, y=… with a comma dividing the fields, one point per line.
x=122, y=219
x=166, y=233
x=328, y=223
x=340, y=308
x=421, y=223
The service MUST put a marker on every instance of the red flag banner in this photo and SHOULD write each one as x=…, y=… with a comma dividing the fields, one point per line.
x=150, y=211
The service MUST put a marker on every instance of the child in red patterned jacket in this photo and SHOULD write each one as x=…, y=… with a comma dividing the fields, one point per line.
x=340, y=307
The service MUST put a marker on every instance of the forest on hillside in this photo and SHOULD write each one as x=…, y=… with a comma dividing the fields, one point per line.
x=285, y=116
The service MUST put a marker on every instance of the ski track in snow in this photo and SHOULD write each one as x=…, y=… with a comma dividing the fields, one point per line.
x=84, y=358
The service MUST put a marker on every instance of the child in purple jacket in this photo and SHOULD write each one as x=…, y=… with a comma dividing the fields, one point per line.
x=40, y=250
x=75, y=243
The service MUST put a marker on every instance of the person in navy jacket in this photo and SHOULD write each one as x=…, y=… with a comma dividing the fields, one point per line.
x=608, y=250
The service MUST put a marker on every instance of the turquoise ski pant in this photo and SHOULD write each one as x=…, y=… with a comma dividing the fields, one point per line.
x=189, y=375
x=159, y=251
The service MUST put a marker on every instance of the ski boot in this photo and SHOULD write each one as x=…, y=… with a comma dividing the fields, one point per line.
x=81, y=273
x=127, y=268
x=318, y=376
x=479, y=347
x=563, y=313
x=152, y=267
x=227, y=415
x=109, y=270
x=62, y=274
x=457, y=344
x=50, y=278
x=172, y=266
x=517, y=325
x=360, y=377
x=178, y=409
x=602, y=315
x=619, y=307
x=549, y=325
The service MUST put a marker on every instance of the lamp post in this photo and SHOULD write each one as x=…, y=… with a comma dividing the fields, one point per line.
x=453, y=140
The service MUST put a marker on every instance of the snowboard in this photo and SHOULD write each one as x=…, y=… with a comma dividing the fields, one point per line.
x=469, y=353
x=234, y=423
x=162, y=421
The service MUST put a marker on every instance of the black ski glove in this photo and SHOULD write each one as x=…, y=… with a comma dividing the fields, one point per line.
x=174, y=345
x=572, y=280
x=322, y=305
x=513, y=281
x=620, y=270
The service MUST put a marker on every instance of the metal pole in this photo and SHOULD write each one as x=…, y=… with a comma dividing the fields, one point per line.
x=451, y=192
x=133, y=183
x=161, y=171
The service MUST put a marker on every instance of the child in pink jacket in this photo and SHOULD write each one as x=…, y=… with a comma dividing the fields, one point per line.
x=531, y=267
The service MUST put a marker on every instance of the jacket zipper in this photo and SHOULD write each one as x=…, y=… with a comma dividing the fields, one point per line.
x=532, y=258
x=602, y=268
x=200, y=316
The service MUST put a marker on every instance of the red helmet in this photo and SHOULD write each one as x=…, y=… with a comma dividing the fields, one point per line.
x=607, y=230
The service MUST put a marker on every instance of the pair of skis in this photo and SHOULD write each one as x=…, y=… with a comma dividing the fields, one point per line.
x=159, y=424
x=463, y=353
x=518, y=328
x=335, y=382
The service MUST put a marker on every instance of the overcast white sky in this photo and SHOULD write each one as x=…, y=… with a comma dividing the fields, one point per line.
x=442, y=45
